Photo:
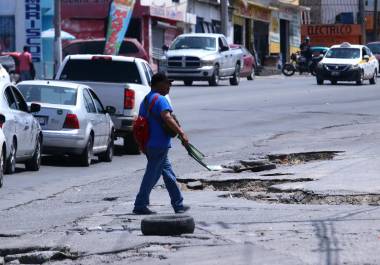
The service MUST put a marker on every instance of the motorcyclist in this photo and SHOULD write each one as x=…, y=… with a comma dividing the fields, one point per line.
x=306, y=50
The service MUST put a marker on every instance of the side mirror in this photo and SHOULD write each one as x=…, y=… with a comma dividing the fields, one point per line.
x=2, y=120
x=366, y=57
x=110, y=110
x=35, y=108
x=165, y=48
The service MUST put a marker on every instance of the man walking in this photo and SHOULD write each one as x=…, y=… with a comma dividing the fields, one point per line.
x=158, y=147
x=25, y=59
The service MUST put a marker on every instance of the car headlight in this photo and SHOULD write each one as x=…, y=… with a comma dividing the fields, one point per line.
x=355, y=66
x=207, y=62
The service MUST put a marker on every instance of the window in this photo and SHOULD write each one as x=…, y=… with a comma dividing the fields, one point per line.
x=90, y=107
x=199, y=26
x=98, y=104
x=147, y=75
x=49, y=94
x=20, y=100
x=101, y=70
x=7, y=33
x=193, y=42
x=10, y=98
x=368, y=51
x=364, y=52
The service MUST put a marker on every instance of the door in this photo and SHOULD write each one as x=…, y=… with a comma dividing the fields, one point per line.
x=10, y=125
x=223, y=58
x=92, y=117
x=103, y=120
x=284, y=40
x=366, y=64
x=231, y=58
x=372, y=60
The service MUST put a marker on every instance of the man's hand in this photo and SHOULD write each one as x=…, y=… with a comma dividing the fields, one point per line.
x=184, y=138
x=170, y=121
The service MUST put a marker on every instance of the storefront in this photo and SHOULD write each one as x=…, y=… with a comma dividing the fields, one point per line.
x=251, y=24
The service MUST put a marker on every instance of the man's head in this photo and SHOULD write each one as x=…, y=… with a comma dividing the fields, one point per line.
x=307, y=39
x=160, y=83
x=26, y=49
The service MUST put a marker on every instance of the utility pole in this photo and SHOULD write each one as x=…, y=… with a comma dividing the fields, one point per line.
x=362, y=21
x=375, y=19
x=57, y=35
x=224, y=16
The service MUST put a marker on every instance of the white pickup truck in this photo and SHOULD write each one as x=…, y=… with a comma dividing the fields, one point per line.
x=202, y=56
x=119, y=81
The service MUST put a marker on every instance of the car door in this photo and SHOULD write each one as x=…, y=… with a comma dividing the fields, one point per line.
x=92, y=117
x=26, y=135
x=372, y=61
x=10, y=126
x=223, y=58
x=230, y=58
x=102, y=118
x=366, y=64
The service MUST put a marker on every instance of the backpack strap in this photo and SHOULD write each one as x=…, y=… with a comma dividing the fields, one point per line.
x=150, y=107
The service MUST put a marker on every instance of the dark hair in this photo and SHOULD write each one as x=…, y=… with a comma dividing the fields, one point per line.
x=159, y=77
x=26, y=48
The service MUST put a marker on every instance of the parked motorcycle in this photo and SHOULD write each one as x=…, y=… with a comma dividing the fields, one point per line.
x=299, y=63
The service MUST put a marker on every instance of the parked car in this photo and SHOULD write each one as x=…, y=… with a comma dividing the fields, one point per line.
x=249, y=64
x=346, y=62
x=201, y=56
x=72, y=118
x=22, y=131
x=129, y=47
x=2, y=149
x=120, y=81
x=4, y=75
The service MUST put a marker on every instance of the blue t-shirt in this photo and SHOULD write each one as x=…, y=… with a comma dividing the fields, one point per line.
x=158, y=138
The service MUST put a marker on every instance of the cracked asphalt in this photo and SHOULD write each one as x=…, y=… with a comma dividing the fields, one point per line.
x=322, y=211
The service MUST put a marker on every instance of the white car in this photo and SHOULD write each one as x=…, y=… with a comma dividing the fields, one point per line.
x=2, y=148
x=73, y=119
x=348, y=62
x=22, y=131
x=4, y=76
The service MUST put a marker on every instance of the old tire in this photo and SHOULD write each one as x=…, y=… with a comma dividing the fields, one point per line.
x=373, y=80
x=168, y=225
x=86, y=156
x=34, y=163
x=10, y=165
x=214, y=79
x=130, y=145
x=288, y=69
x=188, y=82
x=2, y=160
x=107, y=156
x=235, y=79
x=252, y=75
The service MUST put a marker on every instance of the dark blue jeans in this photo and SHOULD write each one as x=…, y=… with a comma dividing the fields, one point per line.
x=158, y=164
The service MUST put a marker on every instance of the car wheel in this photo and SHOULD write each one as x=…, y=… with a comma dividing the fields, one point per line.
x=373, y=80
x=169, y=225
x=361, y=79
x=252, y=75
x=35, y=162
x=188, y=82
x=86, y=156
x=334, y=82
x=10, y=165
x=319, y=81
x=214, y=80
x=2, y=159
x=107, y=156
x=234, y=81
x=130, y=145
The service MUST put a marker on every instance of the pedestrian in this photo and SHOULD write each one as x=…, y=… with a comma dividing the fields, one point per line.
x=25, y=61
x=306, y=50
x=158, y=146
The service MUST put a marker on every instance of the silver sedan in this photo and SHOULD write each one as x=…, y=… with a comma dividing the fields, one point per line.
x=22, y=131
x=73, y=120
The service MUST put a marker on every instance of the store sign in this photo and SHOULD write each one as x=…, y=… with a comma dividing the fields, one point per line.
x=167, y=9
x=119, y=18
x=328, y=35
x=33, y=27
x=253, y=12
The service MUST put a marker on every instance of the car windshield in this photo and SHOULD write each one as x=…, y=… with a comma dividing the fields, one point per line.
x=206, y=43
x=375, y=48
x=343, y=53
x=101, y=70
x=49, y=94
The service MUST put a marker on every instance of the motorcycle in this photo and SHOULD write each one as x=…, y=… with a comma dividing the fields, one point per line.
x=299, y=63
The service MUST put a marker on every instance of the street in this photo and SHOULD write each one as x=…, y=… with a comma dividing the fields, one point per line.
x=321, y=205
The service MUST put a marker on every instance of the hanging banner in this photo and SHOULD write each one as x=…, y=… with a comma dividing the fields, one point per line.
x=119, y=18
x=33, y=28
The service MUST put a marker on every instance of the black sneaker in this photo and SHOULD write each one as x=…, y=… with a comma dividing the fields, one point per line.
x=183, y=209
x=143, y=211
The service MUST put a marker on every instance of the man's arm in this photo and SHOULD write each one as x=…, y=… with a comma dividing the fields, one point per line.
x=169, y=120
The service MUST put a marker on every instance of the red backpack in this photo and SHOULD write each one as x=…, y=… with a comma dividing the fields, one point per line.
x=141, y=125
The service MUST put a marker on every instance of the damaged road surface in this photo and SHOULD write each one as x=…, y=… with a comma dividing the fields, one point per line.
x=300, y=185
